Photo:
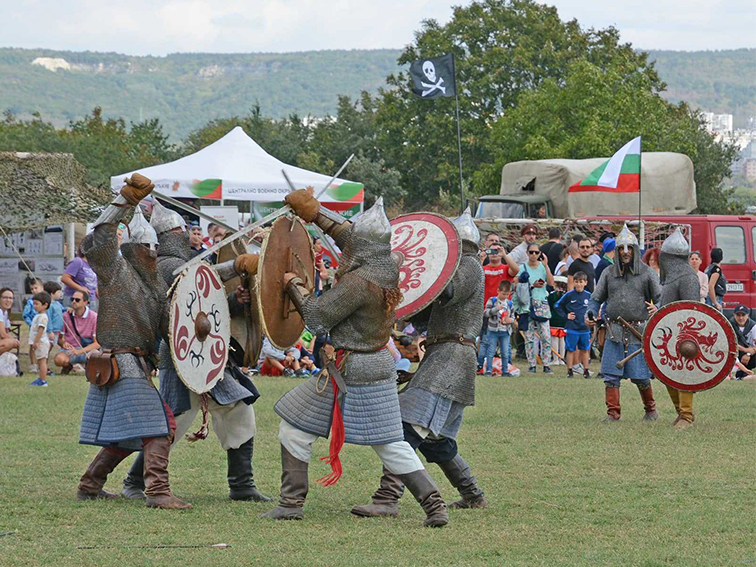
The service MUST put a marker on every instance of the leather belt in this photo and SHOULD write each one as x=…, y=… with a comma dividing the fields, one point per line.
x=449, y=339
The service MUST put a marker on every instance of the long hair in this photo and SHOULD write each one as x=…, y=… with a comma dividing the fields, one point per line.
x=391, y=298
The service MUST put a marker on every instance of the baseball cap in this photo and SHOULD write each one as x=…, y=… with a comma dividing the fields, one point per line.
x=741, y=309
x=609, y=245
x=529, y=228
x=560, y=279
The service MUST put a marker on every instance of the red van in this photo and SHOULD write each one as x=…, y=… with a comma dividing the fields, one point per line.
x=736, y=236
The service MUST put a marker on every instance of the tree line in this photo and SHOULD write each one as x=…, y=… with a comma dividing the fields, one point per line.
x=531, y=86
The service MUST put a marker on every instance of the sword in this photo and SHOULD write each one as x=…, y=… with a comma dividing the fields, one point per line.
x=327, y=185
x=190, y=209
x=247, y=229
x=321, y=234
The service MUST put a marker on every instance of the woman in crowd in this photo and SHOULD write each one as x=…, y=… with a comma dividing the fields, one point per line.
x=651, y=259
x=538, y=322
x=717, y=280
x=561, y=267
x=695, y=263
x=7, y=342
x=78, y=276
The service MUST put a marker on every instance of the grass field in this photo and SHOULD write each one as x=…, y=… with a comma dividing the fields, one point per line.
x=564, y=488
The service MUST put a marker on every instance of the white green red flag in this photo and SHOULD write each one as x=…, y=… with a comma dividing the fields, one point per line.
x=619, y=174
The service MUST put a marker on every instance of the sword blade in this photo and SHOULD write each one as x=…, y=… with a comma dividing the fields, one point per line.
x=327, y=185
x=249, y=228
x=190, y=209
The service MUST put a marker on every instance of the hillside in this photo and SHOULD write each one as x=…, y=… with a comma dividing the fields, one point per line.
x=723, y=82
x=185, y=91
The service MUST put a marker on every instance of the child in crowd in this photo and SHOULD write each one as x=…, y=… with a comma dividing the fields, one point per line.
x=557, y=321
x=39, y=342
x=500, y=318
x=276, y=362
x=54, y=314
x=573, y=306
x=35, y=287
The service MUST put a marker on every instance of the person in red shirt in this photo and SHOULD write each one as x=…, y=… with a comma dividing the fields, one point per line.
x=497, y=270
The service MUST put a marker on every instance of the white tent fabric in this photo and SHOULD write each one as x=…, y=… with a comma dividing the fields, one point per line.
x=244, y=170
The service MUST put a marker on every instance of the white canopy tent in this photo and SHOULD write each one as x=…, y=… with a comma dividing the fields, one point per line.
x=236, y=168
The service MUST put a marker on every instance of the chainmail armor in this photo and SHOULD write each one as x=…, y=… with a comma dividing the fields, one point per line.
x=133, y=311
x=625, y=293
x=680, y=280
x=448, y=369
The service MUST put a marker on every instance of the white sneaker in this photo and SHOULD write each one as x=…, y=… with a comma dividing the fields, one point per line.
x=78, y=369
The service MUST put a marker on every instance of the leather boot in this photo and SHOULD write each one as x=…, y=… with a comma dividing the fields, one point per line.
x=686, y=417
x=674, y=395
x=133, y=484
x=94, y=478
x=294, y=487
x=612, y=397
x=649, y=404
x=459, y=474
x=425, y=491
x=241, y=482
x=157, y=487
x=385, y=500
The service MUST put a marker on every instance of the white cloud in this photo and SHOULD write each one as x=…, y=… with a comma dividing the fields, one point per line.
x=159, y=27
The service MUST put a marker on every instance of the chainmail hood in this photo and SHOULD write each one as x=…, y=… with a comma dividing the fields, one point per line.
x=369, y=260
x=618, y=268
x=143, y=260
x=175, y=244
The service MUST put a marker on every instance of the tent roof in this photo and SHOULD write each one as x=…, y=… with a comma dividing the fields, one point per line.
x=247, y=172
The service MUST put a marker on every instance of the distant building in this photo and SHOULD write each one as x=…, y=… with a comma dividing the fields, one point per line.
x=749, y=169
x=718, y=122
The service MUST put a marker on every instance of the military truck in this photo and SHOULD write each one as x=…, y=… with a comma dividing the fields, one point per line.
x=540, y=189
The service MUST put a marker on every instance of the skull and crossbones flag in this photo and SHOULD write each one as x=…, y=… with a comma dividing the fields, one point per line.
x=433, y=78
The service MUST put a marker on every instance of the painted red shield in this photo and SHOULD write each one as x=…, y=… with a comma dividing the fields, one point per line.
x=430, y=249
x=199, y=330
x=689, y=346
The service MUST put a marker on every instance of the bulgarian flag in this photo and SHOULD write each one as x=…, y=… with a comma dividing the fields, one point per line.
x=619, y=174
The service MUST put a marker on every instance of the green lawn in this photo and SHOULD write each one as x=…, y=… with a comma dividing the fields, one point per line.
x=564, y=488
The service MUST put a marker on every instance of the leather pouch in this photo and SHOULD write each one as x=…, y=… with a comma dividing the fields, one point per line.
x=102, y=368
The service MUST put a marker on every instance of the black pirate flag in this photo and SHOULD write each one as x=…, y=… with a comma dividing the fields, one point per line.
x=433, y=78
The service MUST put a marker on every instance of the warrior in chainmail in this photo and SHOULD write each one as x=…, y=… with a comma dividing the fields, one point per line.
x=230, y=401
x=358, y=311
x=679, y=283
x=626, y=287
x=444, y=384
x=129, y=414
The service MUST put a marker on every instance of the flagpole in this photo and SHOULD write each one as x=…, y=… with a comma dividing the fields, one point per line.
x=459, y=141
x=641, y=231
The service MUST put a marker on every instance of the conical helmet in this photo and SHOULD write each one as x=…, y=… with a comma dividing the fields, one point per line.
x=676, y=244
x=139, y=231
x=163, y=219
x=626, y=238
x=466, y=227
x=373, y=224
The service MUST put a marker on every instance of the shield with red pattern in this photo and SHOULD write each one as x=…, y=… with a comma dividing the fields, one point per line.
x=429, y=249
x=689, y=346
x=200, y=328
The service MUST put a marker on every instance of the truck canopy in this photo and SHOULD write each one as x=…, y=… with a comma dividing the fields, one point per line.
x=667, y=186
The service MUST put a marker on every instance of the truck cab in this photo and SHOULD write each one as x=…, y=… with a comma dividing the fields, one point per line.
x=514, y=206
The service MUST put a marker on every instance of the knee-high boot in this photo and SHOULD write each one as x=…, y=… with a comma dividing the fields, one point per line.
x=425, y=491
x=460, y=475
x=649, y=404
x=294, y=488
x=612, y=397
x=94, y=478
x=133, y=484
x=157, y=486
x=241, y=481
x=687, y=417
x=386, y=498
x=674, y=395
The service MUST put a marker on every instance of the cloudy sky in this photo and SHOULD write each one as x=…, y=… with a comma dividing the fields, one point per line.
x=158, y=27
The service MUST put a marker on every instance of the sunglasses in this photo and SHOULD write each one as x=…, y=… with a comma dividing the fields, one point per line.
x=586, y=247
x=534, y=251
x=76, y=299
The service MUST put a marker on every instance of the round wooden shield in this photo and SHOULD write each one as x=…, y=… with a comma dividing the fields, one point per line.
x=199, y=330
x=429, y=248
x=286, y=248
x=689, y=346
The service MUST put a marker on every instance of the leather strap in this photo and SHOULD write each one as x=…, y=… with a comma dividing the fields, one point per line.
x=449, y=339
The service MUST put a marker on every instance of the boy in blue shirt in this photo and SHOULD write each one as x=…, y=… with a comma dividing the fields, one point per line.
x=35, y=287
x=573, y=307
